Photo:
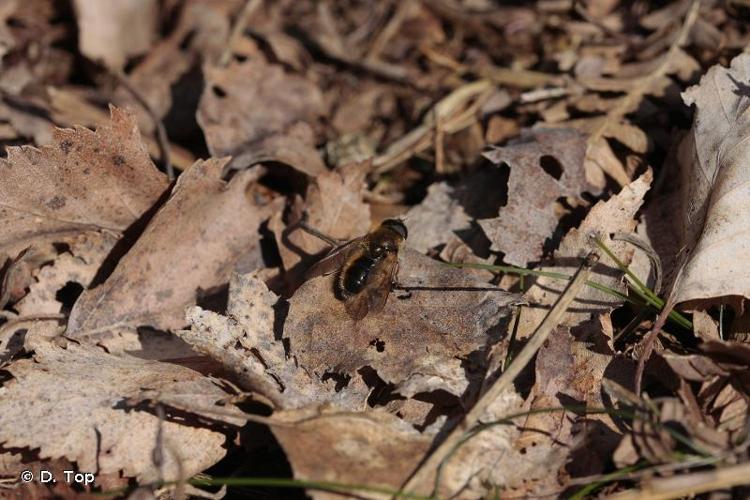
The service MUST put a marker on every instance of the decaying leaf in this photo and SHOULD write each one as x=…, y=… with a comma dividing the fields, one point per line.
x=545, y=166
x=114, y=30
x=73, y=270
x=371, y=447
x=256, y=111
x=186, y=252
x=715, y=225
x=605, y=218
x=446, y=313
x=244, y=342
x=86, y=182
x=56, y=404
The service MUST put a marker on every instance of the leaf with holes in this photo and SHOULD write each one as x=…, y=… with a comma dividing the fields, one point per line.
x=545, y=165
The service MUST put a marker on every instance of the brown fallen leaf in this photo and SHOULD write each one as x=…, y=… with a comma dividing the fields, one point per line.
x=56, y=404
x=715, y=201
x=244, y=342
x=333, y=205
x=447, y=313
x=86, y=182
x=257, y=112
x=545, y=165
x=112, y=31
x=367, y=448
x=605, y=218
x=436, y=219
x=200, y=33
x=188, y=250
x=77, y=267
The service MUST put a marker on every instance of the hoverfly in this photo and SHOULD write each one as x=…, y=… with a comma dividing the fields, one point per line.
x=366, y=268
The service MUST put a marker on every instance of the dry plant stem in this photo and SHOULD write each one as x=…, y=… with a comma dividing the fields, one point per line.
x=650, y=339
x=388, y=32
x=161, y=131
x=430, y=466
x=239, y=26
x=635, y=94
x=690, y=484
x=452, y=116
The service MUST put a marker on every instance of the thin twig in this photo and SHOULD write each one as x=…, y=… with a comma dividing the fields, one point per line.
x=430, y=466
x=389, y=30
x=647, y=344
x=161, y=131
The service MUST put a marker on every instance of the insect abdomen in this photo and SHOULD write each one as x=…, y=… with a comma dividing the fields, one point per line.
x=356, y=274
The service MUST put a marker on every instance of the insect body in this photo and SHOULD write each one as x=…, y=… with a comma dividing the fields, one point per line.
x=366, y=268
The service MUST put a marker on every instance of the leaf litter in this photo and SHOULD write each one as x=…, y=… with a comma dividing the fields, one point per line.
x=154, y=331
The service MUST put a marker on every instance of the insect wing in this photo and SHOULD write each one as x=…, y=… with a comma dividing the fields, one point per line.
x=375, y=294
x=333, y=261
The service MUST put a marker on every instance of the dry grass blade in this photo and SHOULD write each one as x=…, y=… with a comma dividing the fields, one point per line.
x=430, y=466
x=690, y=484
x=451, y=112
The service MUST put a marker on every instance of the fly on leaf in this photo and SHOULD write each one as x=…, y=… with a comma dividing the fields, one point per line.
x=365, y=268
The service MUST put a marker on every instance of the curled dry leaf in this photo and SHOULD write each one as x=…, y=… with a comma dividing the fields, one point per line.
x=53, y=403
x=715, y=181
x=112, y=31
x=257, y=112
x=188, y=250
x=352, y=448
x=85, y=182
x=416, y=340
x=605, y=218
x=545, y=165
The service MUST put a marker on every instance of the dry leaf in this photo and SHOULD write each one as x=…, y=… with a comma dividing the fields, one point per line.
x=112, y=31
x=71, y=402
x=259, y=112
x=200, y=33
x=436, y=219
x=448, y=314
x=86, y=182
x=333, y=206
x=713, y=158
x=75, y=267
x=244, y=342
x=605, y=218
x=188, y=250
x=545, y=165
x=352, y=448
